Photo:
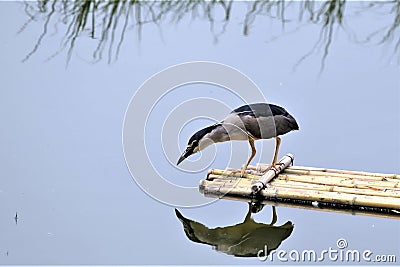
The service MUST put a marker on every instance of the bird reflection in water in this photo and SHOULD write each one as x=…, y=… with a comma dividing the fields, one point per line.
x=245, y=239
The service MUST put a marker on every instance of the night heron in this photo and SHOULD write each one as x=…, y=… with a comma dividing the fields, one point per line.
x=249, y=122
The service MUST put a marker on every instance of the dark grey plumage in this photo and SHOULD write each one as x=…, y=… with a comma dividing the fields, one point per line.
x=249, y=122
x=264, y=121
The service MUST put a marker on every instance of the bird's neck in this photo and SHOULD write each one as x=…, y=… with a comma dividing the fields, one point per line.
x=218, y=134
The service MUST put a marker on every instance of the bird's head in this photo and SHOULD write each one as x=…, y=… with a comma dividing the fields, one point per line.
x=197, y=142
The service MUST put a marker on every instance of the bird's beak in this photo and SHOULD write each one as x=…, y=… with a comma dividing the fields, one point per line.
x=184, y=155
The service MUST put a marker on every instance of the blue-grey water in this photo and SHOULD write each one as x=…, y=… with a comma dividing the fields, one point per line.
x=62, y=164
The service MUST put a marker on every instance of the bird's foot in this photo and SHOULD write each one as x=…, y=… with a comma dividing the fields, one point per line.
x=242, y=171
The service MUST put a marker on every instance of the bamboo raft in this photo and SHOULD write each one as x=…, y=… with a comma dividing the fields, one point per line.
x=314, y=188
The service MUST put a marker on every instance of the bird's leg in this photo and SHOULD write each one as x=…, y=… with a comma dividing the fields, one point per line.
x=253, y=153
x=274, y=217
x=278, y=143
x=248, y=215
x=274, y=163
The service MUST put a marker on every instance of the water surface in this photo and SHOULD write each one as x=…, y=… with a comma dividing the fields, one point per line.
x=63, y=169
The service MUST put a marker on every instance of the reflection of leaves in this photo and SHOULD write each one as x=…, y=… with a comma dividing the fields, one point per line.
x=390, y=33
x=329, y=14
x=107, y=22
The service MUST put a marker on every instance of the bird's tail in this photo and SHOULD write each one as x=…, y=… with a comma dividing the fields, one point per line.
x=292, y=122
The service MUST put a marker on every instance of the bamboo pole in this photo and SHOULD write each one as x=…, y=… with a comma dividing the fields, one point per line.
x=335, y=188
x=261, y=168
x=378, y=185
x=333, y=197
x=332, y=172
x=211, y=174
x=349, y=176
x=271, y=173
x=217, y=179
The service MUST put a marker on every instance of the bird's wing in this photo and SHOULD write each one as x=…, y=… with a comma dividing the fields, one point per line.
x=260, y=110
x=262, y=120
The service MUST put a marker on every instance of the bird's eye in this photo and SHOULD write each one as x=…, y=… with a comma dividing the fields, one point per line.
x=192, y=143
